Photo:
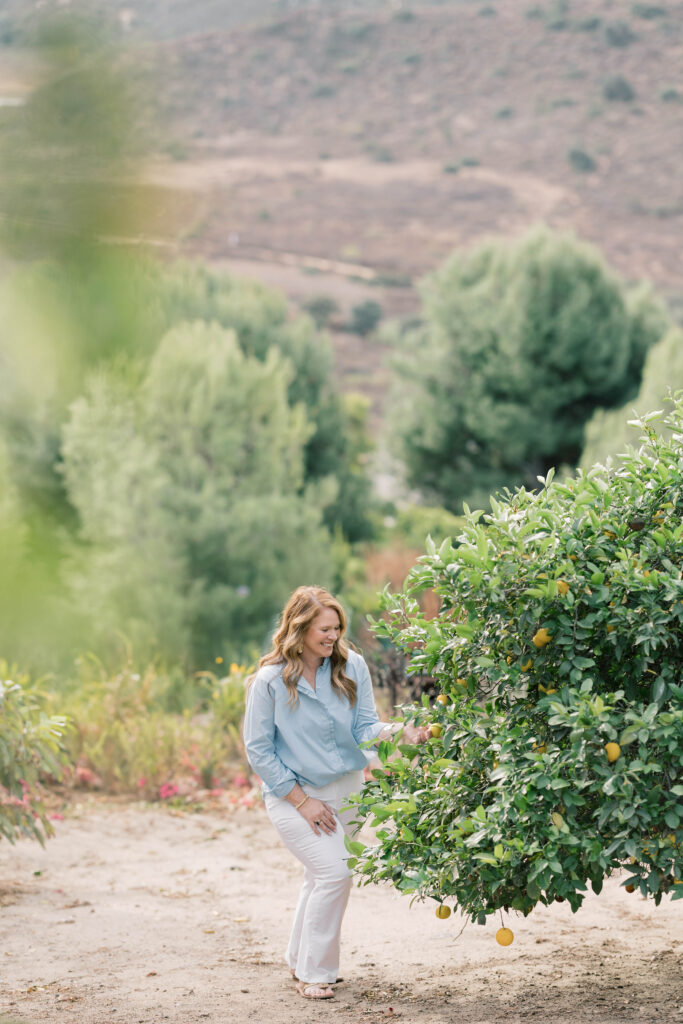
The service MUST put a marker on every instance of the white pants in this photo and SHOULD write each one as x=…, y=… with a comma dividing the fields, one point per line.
x=313, y=950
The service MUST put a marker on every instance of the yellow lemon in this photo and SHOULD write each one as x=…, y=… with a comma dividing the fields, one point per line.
x=541, y=637
x=610, y=628
x=504, y=936
x=613, y=750
x=461, y=682
x=539, y=748
x=443, y=912
x=435, y=730
x=562, y=587
x=443, y=699
x=527, y=665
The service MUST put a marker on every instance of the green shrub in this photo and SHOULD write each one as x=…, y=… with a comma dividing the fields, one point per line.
x=648, y=11
x=364, y=317
x=618, y=88
x=321, y=308
x=581, y=160
x=124, y=741
x=619, y=33
x=671, y=96
x=557, y=648
x=31, y=749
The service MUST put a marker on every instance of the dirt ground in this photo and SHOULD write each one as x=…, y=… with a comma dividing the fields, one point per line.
x=138, y=913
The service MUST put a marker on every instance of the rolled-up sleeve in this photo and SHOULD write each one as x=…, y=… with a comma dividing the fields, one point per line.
x=259, y=741
x=366, y=725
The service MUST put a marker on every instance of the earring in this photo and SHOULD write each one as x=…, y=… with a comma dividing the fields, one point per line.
x=300, y=650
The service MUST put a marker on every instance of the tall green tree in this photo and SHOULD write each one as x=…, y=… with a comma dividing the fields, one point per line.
x=521, y=343
x=189, y=489
x=261, y=320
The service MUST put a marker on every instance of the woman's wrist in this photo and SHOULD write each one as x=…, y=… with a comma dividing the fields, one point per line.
x=390, y=729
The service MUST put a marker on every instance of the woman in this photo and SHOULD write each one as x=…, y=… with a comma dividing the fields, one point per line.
x=309, y=707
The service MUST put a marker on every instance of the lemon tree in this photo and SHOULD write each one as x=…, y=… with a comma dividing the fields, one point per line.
x=559, y=646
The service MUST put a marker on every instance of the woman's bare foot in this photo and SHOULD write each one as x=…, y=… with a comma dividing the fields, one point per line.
x=314, y=990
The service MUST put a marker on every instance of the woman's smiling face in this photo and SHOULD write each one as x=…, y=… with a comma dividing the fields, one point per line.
x=322, y=634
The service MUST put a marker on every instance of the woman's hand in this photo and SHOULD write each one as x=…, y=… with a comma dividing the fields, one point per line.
x=319, y=816
x=415, y=734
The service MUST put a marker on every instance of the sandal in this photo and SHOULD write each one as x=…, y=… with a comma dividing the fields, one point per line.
x=306, y=989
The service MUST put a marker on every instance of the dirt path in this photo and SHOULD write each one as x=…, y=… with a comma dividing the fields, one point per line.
x=136, y=914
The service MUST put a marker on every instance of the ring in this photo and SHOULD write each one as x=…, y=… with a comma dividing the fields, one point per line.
x=316, y=823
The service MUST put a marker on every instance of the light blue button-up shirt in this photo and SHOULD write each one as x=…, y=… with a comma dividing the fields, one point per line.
x=315, y=741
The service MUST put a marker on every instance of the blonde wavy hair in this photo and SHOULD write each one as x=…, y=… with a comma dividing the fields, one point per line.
x=302, y=608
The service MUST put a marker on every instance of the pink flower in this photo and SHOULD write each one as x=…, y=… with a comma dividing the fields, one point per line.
x=240, y=781
x=142, y=782
x=57, y=817
x=167, y=790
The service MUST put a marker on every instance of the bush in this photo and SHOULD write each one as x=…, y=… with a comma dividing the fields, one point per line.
x=619, y=33
x=557, y=648
x=31, y=748
x=618, y=88
x=581, y=161
x=321, y=308
x=649, y=11
x=123, y=740
x=364, y=317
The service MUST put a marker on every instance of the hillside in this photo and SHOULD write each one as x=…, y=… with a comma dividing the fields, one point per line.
x=388, y=137
x=315, y=142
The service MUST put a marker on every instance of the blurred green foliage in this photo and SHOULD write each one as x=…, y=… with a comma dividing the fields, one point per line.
x=608, y=433
x=194, y=521
x=31, y=748
x=522, y=342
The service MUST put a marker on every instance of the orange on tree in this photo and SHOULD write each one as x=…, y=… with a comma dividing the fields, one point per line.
x=562, y=587
x=435, y=730
x=443, y=912
x=613, y=751
x=541, y=637
x=504, y=937
x=443, y=699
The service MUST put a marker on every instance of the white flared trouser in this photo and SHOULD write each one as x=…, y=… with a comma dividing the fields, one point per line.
x=313, y=950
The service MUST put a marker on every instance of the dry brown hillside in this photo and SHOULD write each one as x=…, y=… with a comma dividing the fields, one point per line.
x=388, y=137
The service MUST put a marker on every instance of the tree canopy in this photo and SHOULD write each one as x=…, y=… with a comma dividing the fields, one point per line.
x=521, y=343
x=194, y=523
x=558, y=727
